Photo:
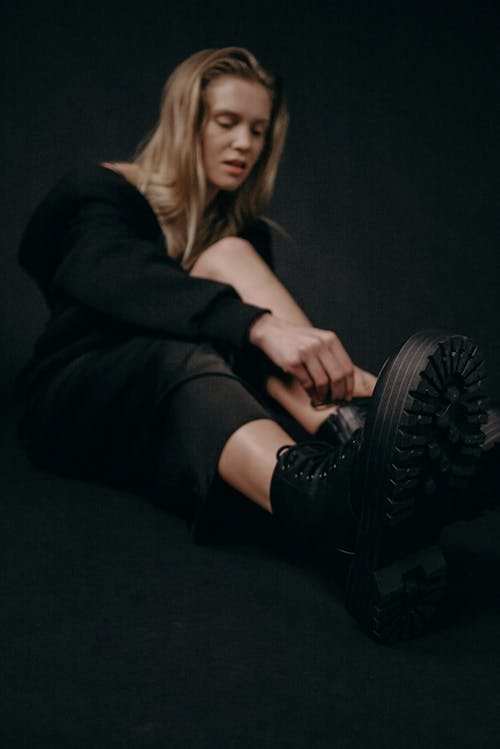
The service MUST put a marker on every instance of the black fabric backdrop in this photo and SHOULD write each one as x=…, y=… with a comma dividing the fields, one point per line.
x=388, y=184
x=119, y=632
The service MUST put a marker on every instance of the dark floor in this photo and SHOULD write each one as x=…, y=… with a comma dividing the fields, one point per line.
x=118, y=631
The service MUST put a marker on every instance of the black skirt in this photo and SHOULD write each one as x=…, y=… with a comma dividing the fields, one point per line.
x=147, y=413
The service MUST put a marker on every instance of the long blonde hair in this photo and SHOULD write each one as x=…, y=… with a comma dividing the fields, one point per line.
x=171, y=173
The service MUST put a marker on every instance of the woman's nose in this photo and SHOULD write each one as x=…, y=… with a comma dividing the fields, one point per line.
x=242, y=138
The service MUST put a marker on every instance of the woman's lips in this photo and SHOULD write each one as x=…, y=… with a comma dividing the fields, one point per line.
x=235, y=168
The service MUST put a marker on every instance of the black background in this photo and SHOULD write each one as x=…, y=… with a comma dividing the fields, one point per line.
x=388, y=185
x=116, y=632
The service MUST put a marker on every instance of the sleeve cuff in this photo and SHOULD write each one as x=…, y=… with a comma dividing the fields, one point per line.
x=229, y=322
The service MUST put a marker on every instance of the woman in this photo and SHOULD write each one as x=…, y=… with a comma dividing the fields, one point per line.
x=170, y=336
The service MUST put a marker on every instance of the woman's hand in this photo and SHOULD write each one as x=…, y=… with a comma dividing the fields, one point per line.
x=315, y=357
x=364, y=383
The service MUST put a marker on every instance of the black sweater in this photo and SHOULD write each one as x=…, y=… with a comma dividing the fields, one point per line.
x=97, y=252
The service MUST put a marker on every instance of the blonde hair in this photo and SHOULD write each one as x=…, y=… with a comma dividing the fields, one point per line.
x=171, y=173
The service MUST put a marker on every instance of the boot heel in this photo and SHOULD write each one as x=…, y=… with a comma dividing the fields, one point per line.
x=397, y=602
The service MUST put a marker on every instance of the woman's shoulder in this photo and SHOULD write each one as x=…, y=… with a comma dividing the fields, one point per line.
x=127, y=170
x=81, y=188
x=91, y=182
x=100, y=177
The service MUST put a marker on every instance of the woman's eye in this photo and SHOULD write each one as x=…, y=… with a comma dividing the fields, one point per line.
x=225, y=124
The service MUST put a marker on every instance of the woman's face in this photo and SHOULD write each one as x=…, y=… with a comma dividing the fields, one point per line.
x=234, y=133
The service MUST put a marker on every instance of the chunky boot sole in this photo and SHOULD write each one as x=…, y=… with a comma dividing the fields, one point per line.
x=421, y=444
x=486, y=494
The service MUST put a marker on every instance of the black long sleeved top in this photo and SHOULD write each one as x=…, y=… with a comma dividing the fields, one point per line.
x=96, y=250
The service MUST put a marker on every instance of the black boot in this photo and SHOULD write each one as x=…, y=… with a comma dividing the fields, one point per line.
x=490, y=462
x=386, y=492
x=312, y=495
x=339, y=427
x=484, y=493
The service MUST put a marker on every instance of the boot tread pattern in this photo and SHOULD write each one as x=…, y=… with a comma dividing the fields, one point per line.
x=422, y=440
x=443, y=415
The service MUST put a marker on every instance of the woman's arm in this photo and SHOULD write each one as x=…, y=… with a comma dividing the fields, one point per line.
x=94, y=240
x=315, y=357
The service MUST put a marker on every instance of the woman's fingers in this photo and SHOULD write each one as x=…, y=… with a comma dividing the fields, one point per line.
x=349, y=386
x=323, y=368
x=301, y=373
x=315, y=357
x=339, y=368
x=313, y=378
x=364, y=383
x=321, y=389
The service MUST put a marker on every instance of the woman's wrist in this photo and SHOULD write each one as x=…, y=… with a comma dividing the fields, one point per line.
x=257, y=327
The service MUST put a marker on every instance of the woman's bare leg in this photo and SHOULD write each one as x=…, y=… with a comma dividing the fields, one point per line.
x=249, y=456
x=234, y=261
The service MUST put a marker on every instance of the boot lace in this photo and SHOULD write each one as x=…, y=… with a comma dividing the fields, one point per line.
x=310, y=460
